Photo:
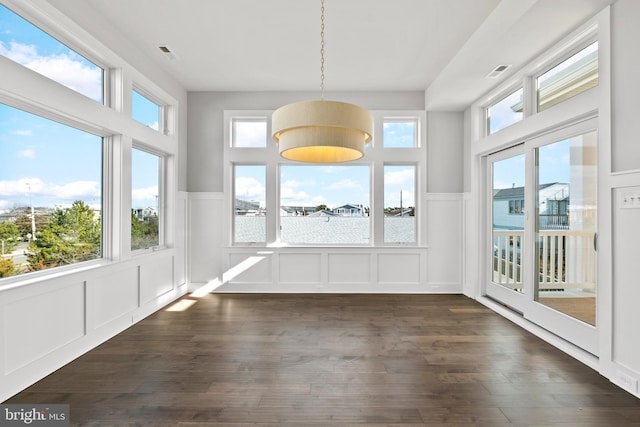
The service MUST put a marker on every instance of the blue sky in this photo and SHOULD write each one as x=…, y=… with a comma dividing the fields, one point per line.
x=49, y=164
x=554, y=167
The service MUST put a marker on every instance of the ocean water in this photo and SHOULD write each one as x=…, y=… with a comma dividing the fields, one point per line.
x=325, y=230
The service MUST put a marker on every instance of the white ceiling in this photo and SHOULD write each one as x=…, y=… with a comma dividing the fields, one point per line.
x=445, y=47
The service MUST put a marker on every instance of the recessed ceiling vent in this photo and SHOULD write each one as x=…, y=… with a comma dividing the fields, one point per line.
x=497, y=71
x=167, y=52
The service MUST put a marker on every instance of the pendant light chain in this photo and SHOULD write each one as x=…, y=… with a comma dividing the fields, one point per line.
x=322, y=49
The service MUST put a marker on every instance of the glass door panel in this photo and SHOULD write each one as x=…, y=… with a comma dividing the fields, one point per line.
x=508, y=222
x=566, y=215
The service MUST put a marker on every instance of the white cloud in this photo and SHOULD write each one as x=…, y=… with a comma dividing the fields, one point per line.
x=148, y=193
x=291, y=195
x=76, y=190
x=35, y=189
x=249, y=188
x=63, y=68
x=22, y=132
x=345, y=184
x=404, y=176
x=27, y=153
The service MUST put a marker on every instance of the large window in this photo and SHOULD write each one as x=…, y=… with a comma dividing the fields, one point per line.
x=324, y=204
x=399, y=204
x=146, y=173
x=27, y=45
x=50, y=193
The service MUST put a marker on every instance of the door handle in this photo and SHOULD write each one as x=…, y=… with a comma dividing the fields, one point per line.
x=595, y=241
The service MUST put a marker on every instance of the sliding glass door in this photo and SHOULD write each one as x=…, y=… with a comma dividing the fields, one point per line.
x=542, y=206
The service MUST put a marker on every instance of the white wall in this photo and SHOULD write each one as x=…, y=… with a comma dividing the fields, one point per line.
x=436, y=266
x=625, y=158
x=445, y=154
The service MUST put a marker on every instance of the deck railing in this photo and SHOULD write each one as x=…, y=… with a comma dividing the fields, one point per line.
x=566, y=259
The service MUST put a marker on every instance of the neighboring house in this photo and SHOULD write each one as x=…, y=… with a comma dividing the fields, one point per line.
x=243, y=207
x=296, y=210
x=145, y=213
x=349, y=210
x=553, y=205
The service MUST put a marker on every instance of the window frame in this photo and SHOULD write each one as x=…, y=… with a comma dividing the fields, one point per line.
x=39, y=18
x=112, y=121
x=161, y=202
x=376, y=156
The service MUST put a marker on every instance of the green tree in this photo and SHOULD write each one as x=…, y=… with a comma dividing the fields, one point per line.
x=144, y=232
x=7, y=267
x=9, y=236
x=321, y=208
x=71, y=235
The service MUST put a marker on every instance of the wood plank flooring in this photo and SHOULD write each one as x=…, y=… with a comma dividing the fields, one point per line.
x=331, y=360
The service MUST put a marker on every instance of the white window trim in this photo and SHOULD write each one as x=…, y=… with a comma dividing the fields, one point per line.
x=376, y=156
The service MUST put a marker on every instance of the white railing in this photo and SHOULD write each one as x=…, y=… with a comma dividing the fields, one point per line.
x=567, y=259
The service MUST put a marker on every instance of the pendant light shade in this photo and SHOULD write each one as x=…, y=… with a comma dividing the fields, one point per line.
x=321, y=131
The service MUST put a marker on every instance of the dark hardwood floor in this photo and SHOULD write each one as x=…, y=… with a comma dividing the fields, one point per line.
x=331, y=360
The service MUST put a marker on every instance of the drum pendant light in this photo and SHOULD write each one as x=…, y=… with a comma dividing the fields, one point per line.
x=321, y=131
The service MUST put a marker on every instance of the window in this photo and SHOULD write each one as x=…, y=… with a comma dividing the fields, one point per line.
x=27, y=45
x=505, y=112
x=50, y=193
x=400, y=133
x=569, y=78
x=516, y=206
x=145, y=111
x=249, y=210
x=324, y=204
x=276, y=202
x=145, y=199
x=249, y=133
x=399, y=204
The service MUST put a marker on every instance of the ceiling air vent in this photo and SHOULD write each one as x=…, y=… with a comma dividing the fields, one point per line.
x=167, y=52
x=497, y=71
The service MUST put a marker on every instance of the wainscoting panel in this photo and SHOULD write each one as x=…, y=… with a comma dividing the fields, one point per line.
x=349, y=268
x=395, y=269
x=444, y=231
x=300, y=268
x=248, y=267
x=112, y=296
x=156, y=277
x=40, y=324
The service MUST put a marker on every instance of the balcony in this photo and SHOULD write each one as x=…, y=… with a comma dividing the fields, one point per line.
x=566, y=259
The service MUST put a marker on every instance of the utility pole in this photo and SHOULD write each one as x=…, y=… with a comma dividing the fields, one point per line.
x=33, y=215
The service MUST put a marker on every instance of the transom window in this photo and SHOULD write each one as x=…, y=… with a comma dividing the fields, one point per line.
x=400, y=133
x=505, y=112
x=145, y=111
x=249, y=132
x=569, y=78
x=28, y=45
